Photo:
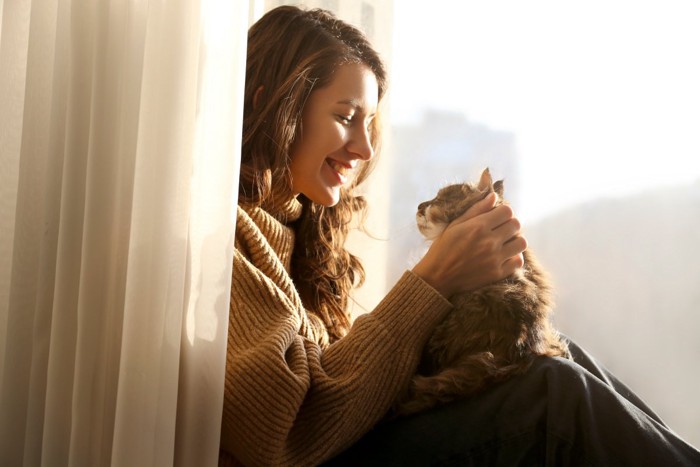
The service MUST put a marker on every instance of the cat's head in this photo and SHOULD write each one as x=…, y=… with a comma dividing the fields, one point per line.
x=452, y=201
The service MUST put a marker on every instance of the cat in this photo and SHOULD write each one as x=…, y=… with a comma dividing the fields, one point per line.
x=492, y=333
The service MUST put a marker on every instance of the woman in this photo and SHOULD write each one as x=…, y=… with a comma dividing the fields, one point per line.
x=303, y=384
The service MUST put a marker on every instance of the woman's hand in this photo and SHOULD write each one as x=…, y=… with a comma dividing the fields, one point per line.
x=480, y=247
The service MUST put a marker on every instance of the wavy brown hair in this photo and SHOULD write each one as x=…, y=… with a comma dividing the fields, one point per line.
x=292, y=52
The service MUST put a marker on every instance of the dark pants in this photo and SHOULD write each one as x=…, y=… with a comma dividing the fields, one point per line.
x=558, y=413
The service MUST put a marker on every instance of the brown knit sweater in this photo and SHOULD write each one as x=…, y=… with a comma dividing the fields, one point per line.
x=287, y=401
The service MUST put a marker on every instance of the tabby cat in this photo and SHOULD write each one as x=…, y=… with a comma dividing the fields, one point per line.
x=492, y=333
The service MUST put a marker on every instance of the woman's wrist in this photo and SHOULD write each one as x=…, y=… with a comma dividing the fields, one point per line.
x=431, y=277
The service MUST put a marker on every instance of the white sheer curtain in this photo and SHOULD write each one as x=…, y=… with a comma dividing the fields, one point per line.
x=119, y=129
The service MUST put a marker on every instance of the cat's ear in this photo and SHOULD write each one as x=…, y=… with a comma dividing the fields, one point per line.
x=485, y=182
x=498, y=188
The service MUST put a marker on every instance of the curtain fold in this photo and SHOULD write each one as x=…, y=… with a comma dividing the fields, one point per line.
x=119, y=133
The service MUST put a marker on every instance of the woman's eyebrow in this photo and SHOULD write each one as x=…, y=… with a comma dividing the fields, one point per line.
x=354, y=103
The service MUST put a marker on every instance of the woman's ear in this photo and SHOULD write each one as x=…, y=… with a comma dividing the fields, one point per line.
x=256, y=96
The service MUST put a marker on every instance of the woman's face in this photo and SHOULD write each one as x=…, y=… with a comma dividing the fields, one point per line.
x=334, y=136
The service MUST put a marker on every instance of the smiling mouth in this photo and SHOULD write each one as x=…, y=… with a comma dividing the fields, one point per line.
x=343, y=171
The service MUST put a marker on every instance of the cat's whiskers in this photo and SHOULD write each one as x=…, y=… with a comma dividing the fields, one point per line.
x=432, y=230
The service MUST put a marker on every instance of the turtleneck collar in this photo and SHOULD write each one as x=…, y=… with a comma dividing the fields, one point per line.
x=284, y=212
x=273, y=225
x=288, y=212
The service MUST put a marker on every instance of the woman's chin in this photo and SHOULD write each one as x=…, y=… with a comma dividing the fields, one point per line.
x=328, y=199
x=330, y=203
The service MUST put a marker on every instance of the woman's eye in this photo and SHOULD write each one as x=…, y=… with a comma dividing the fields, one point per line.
x=345, y=120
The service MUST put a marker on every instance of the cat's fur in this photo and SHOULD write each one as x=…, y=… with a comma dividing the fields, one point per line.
x=494, y=332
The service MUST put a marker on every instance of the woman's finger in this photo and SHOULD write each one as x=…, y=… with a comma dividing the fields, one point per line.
x=512, y=264
x=481, y=207
x=508, y=229
x=497, y=216
x=515, y=246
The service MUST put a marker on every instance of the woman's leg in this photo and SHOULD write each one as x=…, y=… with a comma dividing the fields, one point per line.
x=586, y=360
x=558, y=413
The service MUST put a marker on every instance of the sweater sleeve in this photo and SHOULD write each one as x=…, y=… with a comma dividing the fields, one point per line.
x=287, y=402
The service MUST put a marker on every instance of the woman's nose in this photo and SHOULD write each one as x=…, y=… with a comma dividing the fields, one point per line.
x=360, y=144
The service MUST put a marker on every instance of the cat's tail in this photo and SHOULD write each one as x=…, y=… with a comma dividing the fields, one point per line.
x=467, y=377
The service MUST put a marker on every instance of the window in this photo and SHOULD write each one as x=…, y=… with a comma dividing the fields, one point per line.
x=590, y=112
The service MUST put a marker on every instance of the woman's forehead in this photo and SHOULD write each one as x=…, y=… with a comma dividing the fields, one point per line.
x=353, y=84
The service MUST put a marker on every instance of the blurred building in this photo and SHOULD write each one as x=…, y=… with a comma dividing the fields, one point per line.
x=625, y=274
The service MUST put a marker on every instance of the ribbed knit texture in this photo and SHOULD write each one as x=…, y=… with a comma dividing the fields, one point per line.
x=286, y=401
